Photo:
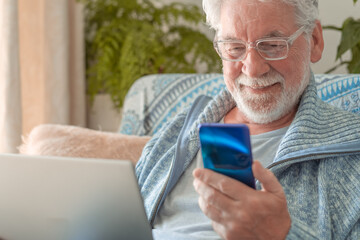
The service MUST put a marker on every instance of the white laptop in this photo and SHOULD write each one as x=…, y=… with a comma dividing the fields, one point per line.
x=56, y=198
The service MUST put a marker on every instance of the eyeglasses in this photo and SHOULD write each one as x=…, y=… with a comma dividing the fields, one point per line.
x=275, y=48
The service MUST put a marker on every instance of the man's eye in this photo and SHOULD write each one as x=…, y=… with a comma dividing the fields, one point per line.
x=272, y=46
x=235, y=47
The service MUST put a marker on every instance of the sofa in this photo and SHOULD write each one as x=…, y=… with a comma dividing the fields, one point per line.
x=150, y=103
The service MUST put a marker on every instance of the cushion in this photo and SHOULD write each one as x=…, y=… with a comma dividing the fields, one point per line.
x=342, y=91
x=155, y=99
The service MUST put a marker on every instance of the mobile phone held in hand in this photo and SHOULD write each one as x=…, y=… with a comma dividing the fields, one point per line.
x=226, y=149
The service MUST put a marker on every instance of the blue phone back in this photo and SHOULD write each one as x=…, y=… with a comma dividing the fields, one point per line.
x=226, y=149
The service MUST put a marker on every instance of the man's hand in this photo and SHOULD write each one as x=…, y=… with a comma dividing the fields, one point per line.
x=240, y=212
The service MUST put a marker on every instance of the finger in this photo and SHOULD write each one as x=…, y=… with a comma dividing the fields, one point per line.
x=212, y=196
x=219, y=229
x=229, y=186
x=210, y=210
x=268, y=180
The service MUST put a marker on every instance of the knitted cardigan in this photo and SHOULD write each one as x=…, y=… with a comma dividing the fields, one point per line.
x=317, y=164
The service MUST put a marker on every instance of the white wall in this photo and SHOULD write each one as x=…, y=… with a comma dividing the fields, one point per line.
x=332, y=12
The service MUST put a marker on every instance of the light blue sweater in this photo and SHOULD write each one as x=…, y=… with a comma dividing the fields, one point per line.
x=318, y=165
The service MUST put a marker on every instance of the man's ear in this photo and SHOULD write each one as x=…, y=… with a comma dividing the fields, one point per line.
x=317, y=42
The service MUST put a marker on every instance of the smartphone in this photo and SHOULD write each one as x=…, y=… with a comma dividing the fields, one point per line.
x=226, y=149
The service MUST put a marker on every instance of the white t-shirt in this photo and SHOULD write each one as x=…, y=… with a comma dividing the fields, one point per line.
x=180, y=217
x=264, y=146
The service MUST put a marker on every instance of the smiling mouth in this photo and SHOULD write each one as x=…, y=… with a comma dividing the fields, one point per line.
x=257, y=87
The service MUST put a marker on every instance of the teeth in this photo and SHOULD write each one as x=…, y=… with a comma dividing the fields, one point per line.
x=258, y=87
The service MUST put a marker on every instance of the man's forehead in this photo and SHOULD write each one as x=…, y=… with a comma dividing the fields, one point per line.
x=270, y=34
x=253, y=7
x=266, y=15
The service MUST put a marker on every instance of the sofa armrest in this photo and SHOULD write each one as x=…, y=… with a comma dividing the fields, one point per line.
x=61, y=140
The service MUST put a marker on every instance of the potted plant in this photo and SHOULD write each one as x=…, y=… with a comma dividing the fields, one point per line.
x=128, y=39
x=350, y=40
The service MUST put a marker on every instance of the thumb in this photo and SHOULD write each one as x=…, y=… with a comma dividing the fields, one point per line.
x=268, y=180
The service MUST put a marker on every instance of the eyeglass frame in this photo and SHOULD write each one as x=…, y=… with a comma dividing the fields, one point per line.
x=289, y=41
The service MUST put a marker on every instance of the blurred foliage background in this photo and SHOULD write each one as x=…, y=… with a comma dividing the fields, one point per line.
x=129, y=39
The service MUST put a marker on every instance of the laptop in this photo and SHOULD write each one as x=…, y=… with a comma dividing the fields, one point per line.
x=58, y=198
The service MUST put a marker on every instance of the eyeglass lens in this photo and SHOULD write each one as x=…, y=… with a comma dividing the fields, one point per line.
x=269, y=49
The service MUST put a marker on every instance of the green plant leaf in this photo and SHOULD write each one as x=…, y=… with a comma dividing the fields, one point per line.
x=354, y=64
x=331, y=27
x=350, y=36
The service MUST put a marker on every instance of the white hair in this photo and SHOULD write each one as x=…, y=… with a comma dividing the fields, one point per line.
x=306, y=12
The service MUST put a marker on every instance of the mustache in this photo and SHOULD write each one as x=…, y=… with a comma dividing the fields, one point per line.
x=267, y=79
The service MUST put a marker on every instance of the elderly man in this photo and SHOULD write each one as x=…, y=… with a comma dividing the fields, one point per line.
x=310, y=189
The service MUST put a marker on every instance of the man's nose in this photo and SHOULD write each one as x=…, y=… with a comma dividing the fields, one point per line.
x=253, y=64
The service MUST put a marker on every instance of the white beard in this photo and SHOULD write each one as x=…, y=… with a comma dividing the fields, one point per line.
x=269, y=107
